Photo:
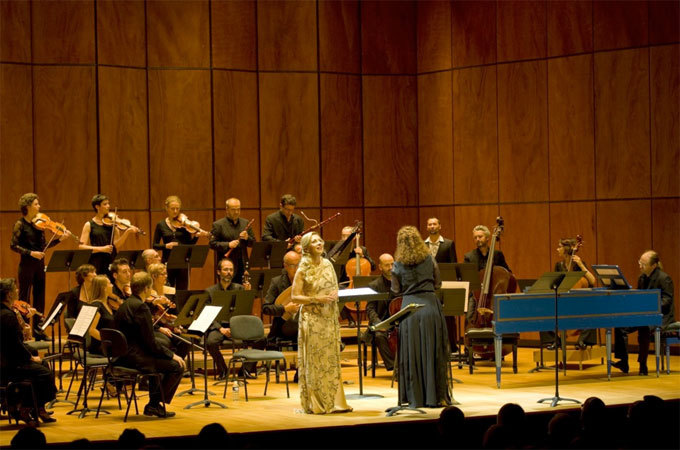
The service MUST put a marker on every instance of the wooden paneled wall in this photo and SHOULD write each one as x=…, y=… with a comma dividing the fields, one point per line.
x=561, y=116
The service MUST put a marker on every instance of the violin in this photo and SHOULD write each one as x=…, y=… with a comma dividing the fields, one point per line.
x=25, y=309
x=42, y=222
x=182, y=221
x=111, y=220
x=114, y=302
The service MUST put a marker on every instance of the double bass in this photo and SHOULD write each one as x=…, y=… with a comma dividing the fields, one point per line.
x=495, y=280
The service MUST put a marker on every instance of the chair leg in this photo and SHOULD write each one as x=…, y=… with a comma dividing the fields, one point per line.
x=668, y=358
x=101, y=397
x=514, y=358
x=266, y=383
x=285, y=375
x=471, y=359
x=245, y=384
x=226, y=382
x=374, y=358
x=132, y=397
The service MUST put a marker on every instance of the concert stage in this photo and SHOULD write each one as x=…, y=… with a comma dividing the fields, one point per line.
x=274, y=414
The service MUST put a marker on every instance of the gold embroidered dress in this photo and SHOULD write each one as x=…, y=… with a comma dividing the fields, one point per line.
x=319, y=372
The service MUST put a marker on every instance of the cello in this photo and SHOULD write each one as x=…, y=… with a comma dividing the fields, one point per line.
x=355, y=267
x=495, y=280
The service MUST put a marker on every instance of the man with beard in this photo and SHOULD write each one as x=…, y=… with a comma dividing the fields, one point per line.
x=443, y=250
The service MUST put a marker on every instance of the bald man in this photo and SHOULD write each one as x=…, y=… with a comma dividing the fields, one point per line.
x=379, y=310
x=282, y=329
x=230, y=233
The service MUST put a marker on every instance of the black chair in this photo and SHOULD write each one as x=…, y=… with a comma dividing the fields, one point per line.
x=11, y=392
x=669, y=336
x=94, y=363
x=249, y=329
x=114, y=345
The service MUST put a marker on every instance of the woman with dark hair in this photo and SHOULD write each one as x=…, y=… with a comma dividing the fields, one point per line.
x=18, y=363
x=82, y=293
x=423, y=338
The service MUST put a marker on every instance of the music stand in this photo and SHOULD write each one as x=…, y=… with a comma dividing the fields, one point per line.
x=63, y=260
x=182, y=296
x=454, y=295
x=187, y=257
x=465, y=272
x=360, y=295
x=261, y=254
x=198, y=328
x=134, y=257
x=52, y=319
x=386, y=324
x=190, y=311
x=558, y=282
x=611, y=276
x=78, y=334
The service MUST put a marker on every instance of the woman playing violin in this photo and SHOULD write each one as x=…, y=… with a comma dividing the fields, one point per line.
x=160, y=304
x=103, y=238
x=172, y=231
x=570, y=262
x=30, y=243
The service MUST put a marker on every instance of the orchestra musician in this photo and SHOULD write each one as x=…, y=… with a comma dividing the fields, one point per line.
x=282, y=329
x=102, y=289
x=97, y=236
x=217, y=333
x=150, y=256
x=284, y=224
x=571, y=262
x=652, y=276
x=82, y=293
x=481, y=235
x=121, y=273
x=423, y=346
x=133, y=319
x=159, y=302
x=379, y=310
x=17, y=361
x=169, y=234
x=344, y=277
x=443, y=251
x=30, y=243
x=229, y=233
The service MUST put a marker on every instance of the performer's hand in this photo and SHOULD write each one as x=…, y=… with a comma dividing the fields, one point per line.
x=577, y=260
x=203, y=233
x=65, y=235
x=225, y=331
x=359, y=251
x=298, y=238
x=105, y=249
x=36, y=359
x=37, y=255
x=243, y=235
x=233, y=244
x=326, y=299
x=291, y=308
x=180, y=361
x=172, y=244
x=247, y=286
x=165, y=331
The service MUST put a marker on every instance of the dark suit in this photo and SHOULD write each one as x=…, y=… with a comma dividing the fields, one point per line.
x=475, y=256
x=224, y=231
x=277, y=228
x=145, y=354
x=281, y=329
x=377, y=312
x=446, y=253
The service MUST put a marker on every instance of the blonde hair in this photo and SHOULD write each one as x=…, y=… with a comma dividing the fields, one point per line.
x=411, y=248
x=155, y=269
x=172, y=198
x=99, y=285
x=306, y=241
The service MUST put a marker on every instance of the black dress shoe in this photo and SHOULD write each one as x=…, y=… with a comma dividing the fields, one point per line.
x=158, y=411
x=621, y=365
x=643, y=370
x=45, y=416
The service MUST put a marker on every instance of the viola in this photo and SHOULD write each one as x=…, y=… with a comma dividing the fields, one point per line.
x=25, y=309
x=42, y=222
x=114, y=302
x=111, y=220
x=182, y=221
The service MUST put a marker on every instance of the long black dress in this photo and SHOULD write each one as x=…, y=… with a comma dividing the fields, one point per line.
x=423, y=338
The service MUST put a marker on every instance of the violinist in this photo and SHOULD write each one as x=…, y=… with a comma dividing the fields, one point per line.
x=344, y=278
x=30, y=243
x=217, y=333
x=478, y=256
x=102, y=289
x=284, y=224
x=121, y=273
x=161, y=305
x=230, y=233
x=170, y=232
x=379, y=310
x=571, y=262
x=101, y=237
x=18, y=363
x=82, y=293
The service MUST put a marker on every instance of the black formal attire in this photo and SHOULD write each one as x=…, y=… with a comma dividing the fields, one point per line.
x=475, y=256
x=224, y=231
x=73, y=303
x=133, y=319
x=378, y=311
x=118, y=292
x=179, y=278
x=280, y=329
x=446, y=253
x=100, y=236
x=423, y=342
x=106, y=320
x=277, y=228
x=16, y=363
x=585, y=337
x=215, y=338
x=26, y=239
x=658, y=279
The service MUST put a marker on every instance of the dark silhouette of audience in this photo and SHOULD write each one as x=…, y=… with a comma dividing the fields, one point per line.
x=29, y=437
x=451, y=427
x=131, y=438
x=498, y=436
x=213, y=435
x=512, y=417
x=562, y=429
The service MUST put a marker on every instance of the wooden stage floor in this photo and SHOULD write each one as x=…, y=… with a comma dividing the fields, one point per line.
x=477, y=394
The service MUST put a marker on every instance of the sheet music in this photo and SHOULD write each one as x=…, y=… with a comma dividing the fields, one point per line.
x=356, y=291
x=83, y=321
x=50, y=319
x=459, y=285
x=205, y=319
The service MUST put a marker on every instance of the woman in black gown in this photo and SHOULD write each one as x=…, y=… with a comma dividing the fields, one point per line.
x=423, y=338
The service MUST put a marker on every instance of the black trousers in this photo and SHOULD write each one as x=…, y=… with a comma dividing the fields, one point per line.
x=42, y=379
x=178, y=346
x=621, y=343
x=383, y=345
x=32, y=274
